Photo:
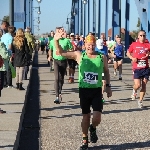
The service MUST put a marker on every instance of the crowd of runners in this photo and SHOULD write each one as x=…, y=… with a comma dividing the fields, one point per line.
x=91, y=56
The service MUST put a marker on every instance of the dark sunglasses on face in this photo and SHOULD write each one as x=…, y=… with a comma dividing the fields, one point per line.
x=142, y=35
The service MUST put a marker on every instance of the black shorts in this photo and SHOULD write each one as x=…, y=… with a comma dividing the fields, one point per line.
x=42, y=47
x=72, y=63
x=142, y=73
x=90, y=97
x=117, y=59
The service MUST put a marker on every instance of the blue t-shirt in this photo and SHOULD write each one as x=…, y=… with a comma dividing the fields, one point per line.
x=80, y=43
x=118, y=51
x=7, y=39
x=103, y=51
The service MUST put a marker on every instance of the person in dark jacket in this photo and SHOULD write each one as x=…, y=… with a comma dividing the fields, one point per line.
x=21, y=53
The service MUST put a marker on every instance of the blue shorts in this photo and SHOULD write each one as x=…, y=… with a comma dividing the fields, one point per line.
x=142, y=73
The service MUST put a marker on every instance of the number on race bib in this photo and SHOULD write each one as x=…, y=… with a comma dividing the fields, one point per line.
x=90, y=77
x=141, y=63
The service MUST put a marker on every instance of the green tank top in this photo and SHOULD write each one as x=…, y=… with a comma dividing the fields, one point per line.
x=90, y=71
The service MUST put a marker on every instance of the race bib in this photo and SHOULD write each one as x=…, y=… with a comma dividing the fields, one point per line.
x=141, y=63
x=90, y=77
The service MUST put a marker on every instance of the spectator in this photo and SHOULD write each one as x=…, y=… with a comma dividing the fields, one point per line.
x=21, y=51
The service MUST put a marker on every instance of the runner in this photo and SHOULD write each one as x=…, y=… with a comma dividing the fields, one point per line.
x=138, y=52
x=51, y=60
x=103, y=51
x=72, y=62
x=118, y=57
x=60, y=65
x=91, y=67
x=42, y=44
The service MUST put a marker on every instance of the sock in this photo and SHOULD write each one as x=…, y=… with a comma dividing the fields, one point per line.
x=133, y=92
x=120, y=76
x=85, y=140
x=93, y=129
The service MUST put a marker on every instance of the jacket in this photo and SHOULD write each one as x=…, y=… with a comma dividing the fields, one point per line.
x=21, y=55
x=5, y=55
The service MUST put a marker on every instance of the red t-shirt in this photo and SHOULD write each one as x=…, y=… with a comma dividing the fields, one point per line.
x=104, y=42
x=146, y=41
x=139, y=51
x=74, y=44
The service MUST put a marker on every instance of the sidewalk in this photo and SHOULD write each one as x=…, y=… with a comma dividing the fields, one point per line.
x=13, y=102
x=123, y=126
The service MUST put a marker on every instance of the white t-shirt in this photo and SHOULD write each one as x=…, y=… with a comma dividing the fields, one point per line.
x=99, y=43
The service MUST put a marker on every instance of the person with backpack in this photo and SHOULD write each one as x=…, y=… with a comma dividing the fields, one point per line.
x=31, y=45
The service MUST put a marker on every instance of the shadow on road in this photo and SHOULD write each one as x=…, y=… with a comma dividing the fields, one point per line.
x=123, y=146
x=29, y=139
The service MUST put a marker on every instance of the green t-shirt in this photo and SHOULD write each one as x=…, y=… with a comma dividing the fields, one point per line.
x=49, y=41
x=112, y=43
x=42, y=41
x=50, y=38
x=90, y=71
x=65, y=44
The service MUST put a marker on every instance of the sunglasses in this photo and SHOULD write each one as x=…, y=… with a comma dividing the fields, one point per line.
x=142, y=35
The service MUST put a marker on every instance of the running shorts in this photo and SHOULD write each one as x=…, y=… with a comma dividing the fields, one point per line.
x=142, y=73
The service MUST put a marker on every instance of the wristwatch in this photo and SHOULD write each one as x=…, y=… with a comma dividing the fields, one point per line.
x=108, y=85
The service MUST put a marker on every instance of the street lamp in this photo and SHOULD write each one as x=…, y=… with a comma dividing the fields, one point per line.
x=84, y=1
x=39, y=1
x=67, y=22
x=39, y=12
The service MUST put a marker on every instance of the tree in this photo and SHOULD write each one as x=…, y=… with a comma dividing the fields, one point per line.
x=135, y=32
x=6, y=18
x=138, y=23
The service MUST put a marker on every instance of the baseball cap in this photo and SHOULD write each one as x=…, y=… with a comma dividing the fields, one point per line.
x=72, y=34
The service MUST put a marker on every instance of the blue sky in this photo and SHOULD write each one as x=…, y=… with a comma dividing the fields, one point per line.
x=54, y=13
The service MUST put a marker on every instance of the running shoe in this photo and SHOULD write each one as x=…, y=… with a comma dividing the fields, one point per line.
x=134, y=96
x=57, y=100
x=93, y=135
x=140, y=104
x=115, y=73
x=84, y=145
x=120, y=78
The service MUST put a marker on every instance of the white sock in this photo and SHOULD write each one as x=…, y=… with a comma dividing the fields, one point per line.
x=134, y=92
x=120, y=76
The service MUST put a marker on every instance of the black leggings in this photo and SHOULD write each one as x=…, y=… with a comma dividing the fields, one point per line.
x=59, y=72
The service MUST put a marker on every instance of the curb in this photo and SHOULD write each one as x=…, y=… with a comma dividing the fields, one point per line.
x=16, y=144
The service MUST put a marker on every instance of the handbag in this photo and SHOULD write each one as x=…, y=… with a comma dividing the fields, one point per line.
x=13, y=71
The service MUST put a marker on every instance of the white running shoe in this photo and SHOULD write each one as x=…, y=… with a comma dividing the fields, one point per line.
x=115, y=73
x=134, y=96
x=140, y=104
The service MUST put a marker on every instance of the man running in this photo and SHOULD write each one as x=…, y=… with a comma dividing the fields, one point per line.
x=118, y=57
x=51, y=60
x=72, y=62
x=60, y=65
x=138, y=52
x=103, y=51
x=91, y=67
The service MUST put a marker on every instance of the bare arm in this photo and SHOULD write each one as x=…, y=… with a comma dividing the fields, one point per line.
x=111, y=49
x=129, y=55
x=50, y=53
x=106, y=70
x=68, y=54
